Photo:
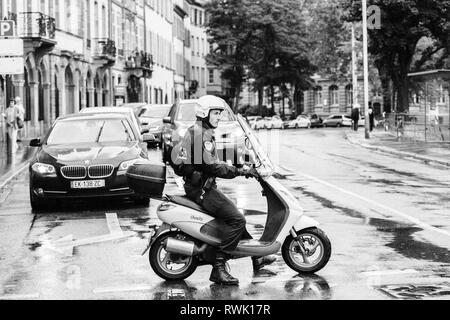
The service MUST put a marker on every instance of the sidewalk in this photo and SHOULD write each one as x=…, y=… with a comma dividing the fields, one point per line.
x=432, y=153
x=10, y=164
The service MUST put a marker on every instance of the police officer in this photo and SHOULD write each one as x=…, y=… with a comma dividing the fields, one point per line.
x=198, y=162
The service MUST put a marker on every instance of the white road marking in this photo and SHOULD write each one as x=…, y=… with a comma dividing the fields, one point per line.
x=113, y=223
x=4, y=194
x=123, y=289
x=66, y=244
x=179, y=182
x=375, y=203
x=14, y=175
x=388, y=272
x=19, y=296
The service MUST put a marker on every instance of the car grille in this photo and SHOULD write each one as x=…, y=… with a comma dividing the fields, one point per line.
x=73, y=172
x=100, y=171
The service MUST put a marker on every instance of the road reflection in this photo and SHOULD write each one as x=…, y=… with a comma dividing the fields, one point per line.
x=299, y=287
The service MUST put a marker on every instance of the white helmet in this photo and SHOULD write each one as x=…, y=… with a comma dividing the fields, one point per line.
x=208, y=103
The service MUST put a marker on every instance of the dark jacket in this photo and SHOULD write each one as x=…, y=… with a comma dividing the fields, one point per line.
x=355, y=114
x=200, y=164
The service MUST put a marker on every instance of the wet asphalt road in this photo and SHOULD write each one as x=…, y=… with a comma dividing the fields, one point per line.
x=387, y=219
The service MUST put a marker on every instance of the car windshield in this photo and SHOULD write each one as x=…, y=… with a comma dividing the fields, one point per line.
x=187, y=113
x=156, y=112
x=90, y=131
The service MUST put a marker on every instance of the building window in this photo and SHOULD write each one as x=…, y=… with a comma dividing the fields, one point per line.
x=334, y=95
x=349, y=95
x=203, y=78
x=317, y=96
x=211, y=75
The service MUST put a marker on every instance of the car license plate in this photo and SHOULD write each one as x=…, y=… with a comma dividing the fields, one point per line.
x=88, y=184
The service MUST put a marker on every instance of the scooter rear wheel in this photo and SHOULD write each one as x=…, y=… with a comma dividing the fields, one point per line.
x=317, y=247
x=171, y=266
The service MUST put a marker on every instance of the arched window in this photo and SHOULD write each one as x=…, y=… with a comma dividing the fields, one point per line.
x=317, y=96
x=334, y=95
x=349, y=95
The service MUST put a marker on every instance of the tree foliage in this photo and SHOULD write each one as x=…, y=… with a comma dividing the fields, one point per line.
x=263, y=40
x=396, y=46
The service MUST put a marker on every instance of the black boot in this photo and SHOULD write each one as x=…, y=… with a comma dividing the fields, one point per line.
x=220, y=275
x=259, y=263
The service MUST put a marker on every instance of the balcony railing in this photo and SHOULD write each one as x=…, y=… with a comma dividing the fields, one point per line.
x=139, y=60
x=104, y=48
x=36, y=25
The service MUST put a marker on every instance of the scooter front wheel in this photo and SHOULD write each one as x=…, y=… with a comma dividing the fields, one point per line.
x=170, y=266
x=309, y=252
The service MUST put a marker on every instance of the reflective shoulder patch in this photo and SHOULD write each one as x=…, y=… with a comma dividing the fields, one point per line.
x=182, y=155
x=208, y=146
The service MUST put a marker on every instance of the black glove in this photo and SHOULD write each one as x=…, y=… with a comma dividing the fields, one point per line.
x=248, y=172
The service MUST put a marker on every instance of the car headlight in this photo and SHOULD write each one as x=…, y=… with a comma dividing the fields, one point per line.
x=44, y=169
x=126, y=164
x=182, y=132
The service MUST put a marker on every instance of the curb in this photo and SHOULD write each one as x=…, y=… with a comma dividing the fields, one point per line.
x=427, y=160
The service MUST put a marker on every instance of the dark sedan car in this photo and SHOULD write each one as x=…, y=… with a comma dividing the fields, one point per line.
x=152, y=120
x=316, y=121
x=85, y=155
x=229, y=135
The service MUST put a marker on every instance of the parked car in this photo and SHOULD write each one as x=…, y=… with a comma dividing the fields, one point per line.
x=84, y=156
x=337, y=121
x=252, y=121
x=121, y=110
x=137, y=107
x=316, y=121
x=274, y=122
x=152, y=120
x=301, y=121
x=260, y=123
x=229, y=135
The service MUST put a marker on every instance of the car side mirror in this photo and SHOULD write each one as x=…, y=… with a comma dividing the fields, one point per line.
x=148, y=137
x=35, y=142
x=248, y=145
x=167, y=120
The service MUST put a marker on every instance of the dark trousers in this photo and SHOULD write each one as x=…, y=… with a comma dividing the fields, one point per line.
x=355, y=125
x=223, y=209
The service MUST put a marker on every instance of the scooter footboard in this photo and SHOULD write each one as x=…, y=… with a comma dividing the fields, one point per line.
x=306, y=222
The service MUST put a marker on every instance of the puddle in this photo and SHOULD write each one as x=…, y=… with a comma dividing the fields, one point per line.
x=403, y=241
x=416, y=291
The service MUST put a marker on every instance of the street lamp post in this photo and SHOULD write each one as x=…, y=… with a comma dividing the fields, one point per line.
x=366, y=69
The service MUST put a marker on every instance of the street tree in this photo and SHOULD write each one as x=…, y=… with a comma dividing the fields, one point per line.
x=229, y=31
x=279, y=57
x=394, y=45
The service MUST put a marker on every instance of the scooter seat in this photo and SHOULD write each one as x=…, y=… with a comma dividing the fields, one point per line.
x=186, y=202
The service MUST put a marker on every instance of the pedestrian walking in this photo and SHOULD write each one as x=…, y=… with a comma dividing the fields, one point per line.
x=355, y=117
x=371, y=119
x=11, y=116
x=21, y=117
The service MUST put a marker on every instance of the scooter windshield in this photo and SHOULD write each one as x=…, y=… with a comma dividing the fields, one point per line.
x=257, y=153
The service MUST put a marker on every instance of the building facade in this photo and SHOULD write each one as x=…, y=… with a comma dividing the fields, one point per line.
x=199, y=48
x=91, y=53
x=159, y=17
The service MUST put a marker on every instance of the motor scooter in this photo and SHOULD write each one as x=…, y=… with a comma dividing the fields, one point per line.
x=189, y=237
